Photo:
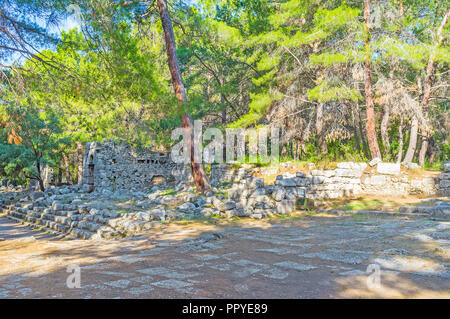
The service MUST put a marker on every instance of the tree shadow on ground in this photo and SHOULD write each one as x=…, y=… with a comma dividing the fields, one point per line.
x=246, y=255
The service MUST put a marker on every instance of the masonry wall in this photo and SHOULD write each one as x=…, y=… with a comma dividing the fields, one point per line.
x=348, y=179
x=444, y=181
x=116, y=166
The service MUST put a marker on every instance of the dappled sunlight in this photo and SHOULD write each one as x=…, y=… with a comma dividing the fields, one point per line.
x=36, y=257
x=279, y=252
x=392, y=285
x=372, y=202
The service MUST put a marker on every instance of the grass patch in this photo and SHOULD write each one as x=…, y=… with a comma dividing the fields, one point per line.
x=168, y=192
x=363, y=204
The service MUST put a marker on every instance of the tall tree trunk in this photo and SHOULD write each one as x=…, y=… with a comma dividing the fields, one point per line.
x=423, y=149
x=79, y=162
x=363, y=140
x=427, y=93
x=224, y=110
x=413, y=133
x=319, y=129
x=412, y=141
x=385, y=121
x=400, y=141
x=198, y=173
x=39, y=171
x=303, y=149
x=355, y=132
x=384, y=129
x=370, y=125
x=431, y=150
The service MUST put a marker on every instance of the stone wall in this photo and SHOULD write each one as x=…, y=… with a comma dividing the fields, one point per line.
x=115, y=166
x=444, y=181
x=348, y=179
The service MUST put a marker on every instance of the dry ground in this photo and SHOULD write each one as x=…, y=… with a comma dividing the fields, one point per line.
x=302, y=257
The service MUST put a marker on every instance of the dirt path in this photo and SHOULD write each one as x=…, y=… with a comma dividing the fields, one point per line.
x=311, y=257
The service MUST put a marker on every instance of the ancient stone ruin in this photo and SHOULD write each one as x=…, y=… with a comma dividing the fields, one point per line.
x=118, y=195
x=116, y=166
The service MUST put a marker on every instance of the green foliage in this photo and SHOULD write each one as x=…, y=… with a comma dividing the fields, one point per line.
x=244, y=63
x=41, y=137
x=325, y=92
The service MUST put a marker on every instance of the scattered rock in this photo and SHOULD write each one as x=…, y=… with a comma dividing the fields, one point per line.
x=374, y=161
x=186, y=207
x=36, y=195
x=224, y=206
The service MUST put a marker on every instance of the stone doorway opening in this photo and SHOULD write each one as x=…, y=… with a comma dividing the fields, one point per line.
x=158, y=180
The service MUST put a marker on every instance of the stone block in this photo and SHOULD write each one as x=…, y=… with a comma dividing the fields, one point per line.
x=388, y=168
x=375, y=161
x=446, y=166
x=253, y=182
x=300, y=174
x=301, y=181
x=224, y=206
x=343, y=172
x=285, y=206
x=377, y=180
x=286, y=182
x=279, y=194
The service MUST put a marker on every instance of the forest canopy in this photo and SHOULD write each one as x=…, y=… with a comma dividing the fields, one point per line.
x=345, y=80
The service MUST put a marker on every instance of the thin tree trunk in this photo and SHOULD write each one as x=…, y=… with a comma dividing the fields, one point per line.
x=292, y=149
x=427, y=94
x=355, y=132
x=357, y=143
x=319, y=129
x=297, y=154
x=413, y=133
x=370, y=125
x=423, y=149
x=303, y=149
x=385, y=121
x=224, y=110
x=412, y=141
x=361, y=131
x=41, y=182
x=198, y=173
x=384, y=129
x=283, y=150
x=431, y=150
x=79, y=162
x=400, y=141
